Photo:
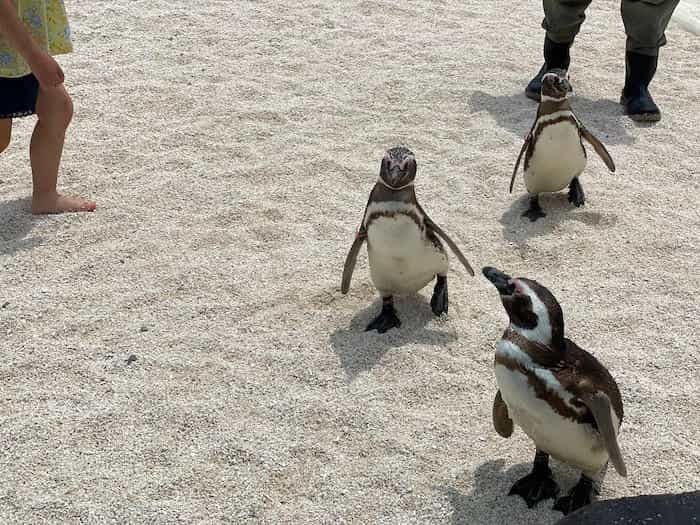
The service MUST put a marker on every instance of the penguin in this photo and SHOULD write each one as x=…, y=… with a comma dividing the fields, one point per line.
x=403, y=244
x=553, y=148
x=561, y=396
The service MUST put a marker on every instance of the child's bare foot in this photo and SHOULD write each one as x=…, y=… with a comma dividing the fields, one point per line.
x=55, y=203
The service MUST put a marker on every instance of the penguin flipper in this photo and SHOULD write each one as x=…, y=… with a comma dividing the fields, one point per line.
x=599, y=405
x=599, y=148
x=351, y=260
x=528, y=139
x=501, y=420
x=455, y=249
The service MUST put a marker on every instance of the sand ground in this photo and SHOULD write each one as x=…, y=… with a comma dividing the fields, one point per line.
x=231, y=147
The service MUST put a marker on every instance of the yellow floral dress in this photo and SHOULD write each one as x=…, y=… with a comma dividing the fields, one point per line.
x=48, y=24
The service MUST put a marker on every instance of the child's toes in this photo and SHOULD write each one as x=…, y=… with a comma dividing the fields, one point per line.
x=56, y=203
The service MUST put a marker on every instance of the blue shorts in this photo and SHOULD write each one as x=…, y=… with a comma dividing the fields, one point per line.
x=18, y=96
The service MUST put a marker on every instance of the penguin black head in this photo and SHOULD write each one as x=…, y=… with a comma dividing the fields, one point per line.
x=555, y=85
x=532, y=309
x=398, y=169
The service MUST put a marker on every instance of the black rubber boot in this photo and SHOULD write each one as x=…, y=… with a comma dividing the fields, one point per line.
x=636, y=99
x=556, y=56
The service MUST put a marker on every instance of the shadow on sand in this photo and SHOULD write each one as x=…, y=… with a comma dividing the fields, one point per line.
x=516, y=113
x=360, y=351
x=518, y=229
x=491, y=486
x=16, y=221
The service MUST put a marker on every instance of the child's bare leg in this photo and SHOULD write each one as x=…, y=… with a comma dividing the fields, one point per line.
x=5, y=133
x=55, y=111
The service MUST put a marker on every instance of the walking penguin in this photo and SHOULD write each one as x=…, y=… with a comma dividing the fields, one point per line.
x=554, y=152
x=561, y=396
x=403, y=243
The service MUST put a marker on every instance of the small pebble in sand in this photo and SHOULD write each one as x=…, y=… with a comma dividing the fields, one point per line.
x=131, y=359
x=5, y=304
x=143, y=328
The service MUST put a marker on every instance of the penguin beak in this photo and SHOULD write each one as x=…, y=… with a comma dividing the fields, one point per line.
x=395, y=174
x=499, y=279
x=401, y=172
x=556, y=84
x=549, y=80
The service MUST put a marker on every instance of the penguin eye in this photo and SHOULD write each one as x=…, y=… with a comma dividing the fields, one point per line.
x=529, y=318
x=523, y=300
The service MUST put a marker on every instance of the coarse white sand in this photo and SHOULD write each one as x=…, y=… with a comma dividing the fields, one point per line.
x=687, y=15
x=231, y=146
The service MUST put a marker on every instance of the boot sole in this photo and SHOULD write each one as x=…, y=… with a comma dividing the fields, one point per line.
x=646, y=117
x=640, y=117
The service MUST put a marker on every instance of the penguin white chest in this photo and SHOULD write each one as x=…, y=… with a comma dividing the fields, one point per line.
x=558, y=157
x=401, y=259
x=398, y=235
x=562, y=437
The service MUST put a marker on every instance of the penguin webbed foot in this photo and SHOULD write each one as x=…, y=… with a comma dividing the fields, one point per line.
x=576, y=195
x=386, y=320
x=538, y=484
x=535, y=487
x=440, y=302
x=579, y=496
x=534, y=212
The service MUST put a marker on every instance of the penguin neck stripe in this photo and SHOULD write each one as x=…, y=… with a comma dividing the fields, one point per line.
x=395, y=188
x=545, y=98
x=556, y=115
x=540, y=353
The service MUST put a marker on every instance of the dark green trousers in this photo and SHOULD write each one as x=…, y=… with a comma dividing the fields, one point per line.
x=645, y=22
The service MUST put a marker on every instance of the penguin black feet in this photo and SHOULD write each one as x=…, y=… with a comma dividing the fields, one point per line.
x=538, y=485
x=576, y=195
x=578, y=497
x=439, y=302
x=387, y=319
x=534, y=488
x=534, y=212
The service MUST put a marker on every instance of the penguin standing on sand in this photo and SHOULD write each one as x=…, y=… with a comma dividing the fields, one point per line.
x=403, y=247
x=554, y=152
x=561, y=396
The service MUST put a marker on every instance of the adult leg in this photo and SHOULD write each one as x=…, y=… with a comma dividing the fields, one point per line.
x=645, y=24
x=562, y=21
x=54, y=110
